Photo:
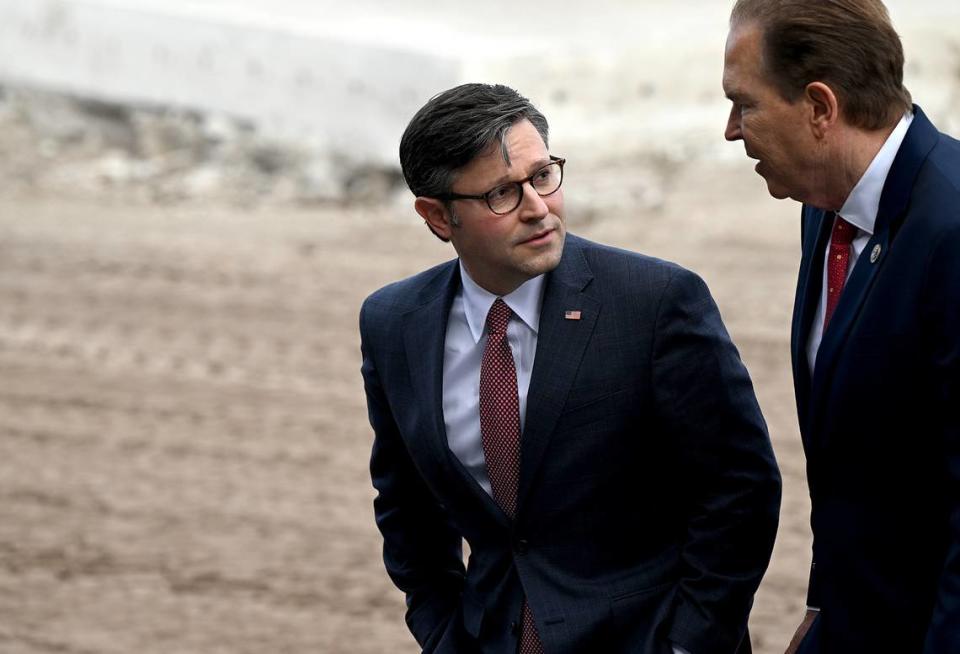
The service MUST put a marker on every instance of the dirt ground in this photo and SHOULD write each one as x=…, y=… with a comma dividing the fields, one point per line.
x=183, y=436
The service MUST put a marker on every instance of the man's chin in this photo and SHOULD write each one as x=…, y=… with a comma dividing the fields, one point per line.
x=776, y=191
x=544, y=261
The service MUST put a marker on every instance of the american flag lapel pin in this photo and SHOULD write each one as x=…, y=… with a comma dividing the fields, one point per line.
x=571, y=315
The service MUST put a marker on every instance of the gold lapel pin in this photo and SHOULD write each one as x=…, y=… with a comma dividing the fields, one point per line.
x=572, y=315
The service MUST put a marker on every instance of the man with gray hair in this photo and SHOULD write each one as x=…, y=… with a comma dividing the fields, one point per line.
x=819, y=102
x=576, y=413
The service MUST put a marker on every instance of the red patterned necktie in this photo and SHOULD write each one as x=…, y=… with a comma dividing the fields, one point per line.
x=500, y=433
x=837, y=264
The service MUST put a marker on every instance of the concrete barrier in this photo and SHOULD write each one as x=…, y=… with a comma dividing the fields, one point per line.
x=617, y=78
x=340, y=95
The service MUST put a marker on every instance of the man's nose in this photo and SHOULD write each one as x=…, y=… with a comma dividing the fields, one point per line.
x=733, y=132
x=532, y=204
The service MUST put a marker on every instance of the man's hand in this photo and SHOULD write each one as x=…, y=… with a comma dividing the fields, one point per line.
x=801, y=632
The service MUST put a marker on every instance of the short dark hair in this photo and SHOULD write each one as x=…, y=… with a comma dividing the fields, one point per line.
x=457, y=125
x=850, y=45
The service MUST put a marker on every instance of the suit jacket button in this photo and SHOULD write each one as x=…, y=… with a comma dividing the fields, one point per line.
x=522, y=546
x=515, y=628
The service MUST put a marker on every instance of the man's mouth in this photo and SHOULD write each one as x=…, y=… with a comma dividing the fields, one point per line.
x=539, y=236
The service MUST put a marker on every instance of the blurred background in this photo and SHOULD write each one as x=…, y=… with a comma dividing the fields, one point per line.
x=195, y=198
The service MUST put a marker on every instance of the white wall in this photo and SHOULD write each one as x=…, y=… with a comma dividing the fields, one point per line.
x=333, y=93
x=613, y=76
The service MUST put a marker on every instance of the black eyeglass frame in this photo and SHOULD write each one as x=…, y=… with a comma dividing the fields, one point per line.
x=518, y=183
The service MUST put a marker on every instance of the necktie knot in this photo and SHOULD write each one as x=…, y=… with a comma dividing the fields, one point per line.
x=498, y=317
x=843, y=232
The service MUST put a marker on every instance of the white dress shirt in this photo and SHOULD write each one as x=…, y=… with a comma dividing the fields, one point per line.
x=463, y=352
x=860, y=210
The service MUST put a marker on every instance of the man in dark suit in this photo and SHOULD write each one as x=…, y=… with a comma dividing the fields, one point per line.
x=577, y=413
x=818, y=100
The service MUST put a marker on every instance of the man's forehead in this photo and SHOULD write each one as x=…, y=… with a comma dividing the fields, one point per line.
x=744, y=43
x=517, y=139
x=521, y=148
x=743, y=58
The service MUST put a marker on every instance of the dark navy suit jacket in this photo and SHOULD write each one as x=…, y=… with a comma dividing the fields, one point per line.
x=648, y=494
x=880, y=418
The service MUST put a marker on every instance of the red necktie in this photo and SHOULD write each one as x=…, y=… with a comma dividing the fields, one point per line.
x=500, y=433
x=838, y=262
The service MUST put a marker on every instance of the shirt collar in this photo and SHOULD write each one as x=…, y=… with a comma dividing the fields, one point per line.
x=524, y=301
x=863, y=203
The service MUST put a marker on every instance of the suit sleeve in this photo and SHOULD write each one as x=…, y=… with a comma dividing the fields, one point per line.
x=730, y=480
x=422, y=551
x=943, y=302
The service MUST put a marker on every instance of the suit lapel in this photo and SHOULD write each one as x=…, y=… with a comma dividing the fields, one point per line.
x=425, y=330
x=920, y=139
x=854, y=293
x=816, y=233
x=560, y=346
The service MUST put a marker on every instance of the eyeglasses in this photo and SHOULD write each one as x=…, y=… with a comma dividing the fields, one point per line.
x=505, y=198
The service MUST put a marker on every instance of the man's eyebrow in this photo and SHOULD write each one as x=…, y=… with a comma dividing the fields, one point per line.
x=534, y=167
x=735, y=96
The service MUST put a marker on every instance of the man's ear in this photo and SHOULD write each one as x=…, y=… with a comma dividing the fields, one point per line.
x=824, y=108
x=434, y=212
